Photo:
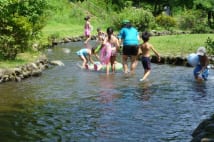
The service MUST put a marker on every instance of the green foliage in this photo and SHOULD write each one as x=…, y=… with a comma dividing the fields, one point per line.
x=194, y=21
x=210, y=46
x=139, y=18
x=21, y=22
x=63, y=12
x=188, y=19
x=165, y=21
x=201, y=28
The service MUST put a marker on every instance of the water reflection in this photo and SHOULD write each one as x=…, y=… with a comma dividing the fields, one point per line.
x=108, y=91
x=200, y=88
x=145, y=89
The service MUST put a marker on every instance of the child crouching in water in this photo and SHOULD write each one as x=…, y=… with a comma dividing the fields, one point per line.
x=85, y=55
x=145, y=59
x=202, y=67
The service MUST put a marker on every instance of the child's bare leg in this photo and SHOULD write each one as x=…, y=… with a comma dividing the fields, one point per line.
x=134, y=63
x=107, y=68
x=113, y=59
x=146, y=74
x=199, y=79
x=84, y=61
x=88, y=38
x=125, y=65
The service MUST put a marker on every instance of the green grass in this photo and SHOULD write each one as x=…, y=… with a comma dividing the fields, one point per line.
x=179, y=45
x=21, y=59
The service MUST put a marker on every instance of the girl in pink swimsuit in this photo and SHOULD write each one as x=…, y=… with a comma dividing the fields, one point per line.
x=87, y=29
x=114, y=43
x=109, y=51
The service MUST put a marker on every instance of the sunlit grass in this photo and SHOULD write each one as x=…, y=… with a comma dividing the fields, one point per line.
x=179, y=45
x=21, y=59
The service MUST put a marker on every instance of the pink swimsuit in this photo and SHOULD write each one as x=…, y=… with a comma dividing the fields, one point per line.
x=106, y=52
x=87, y=30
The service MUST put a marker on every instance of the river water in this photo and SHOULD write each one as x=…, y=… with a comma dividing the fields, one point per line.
x=69, y=104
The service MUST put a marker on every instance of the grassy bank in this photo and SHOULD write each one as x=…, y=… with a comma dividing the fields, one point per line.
x=22, y=58
x=179, y=45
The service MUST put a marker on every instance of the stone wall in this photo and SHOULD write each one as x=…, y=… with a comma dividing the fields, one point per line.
x=29, y=70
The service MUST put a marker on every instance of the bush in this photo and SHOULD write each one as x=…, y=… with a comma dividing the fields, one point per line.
x=187, y=20
x=195, y=21
x=165, y=21
x=210, y=46
x=21, y=22
x=201, y=28
x=139, y=18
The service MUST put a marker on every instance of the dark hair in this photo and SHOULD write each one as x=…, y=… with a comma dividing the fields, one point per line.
x=98, y=29
x=93, y=50
x=87, y=17
x=109, y=32
x=145, y=36
x=128, y=25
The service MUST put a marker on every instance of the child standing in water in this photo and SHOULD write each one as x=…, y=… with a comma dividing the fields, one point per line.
x=100, y=39
x=202, y=66
x=145, y=59
x=109, y=51
x=114, y=43
x=100, y=36
x=87, y=29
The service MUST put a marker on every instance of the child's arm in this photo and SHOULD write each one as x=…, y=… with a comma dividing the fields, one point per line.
x=91, y=27
x=90, y=59
x=97, y=56
x=153, y=49
x=117, y=44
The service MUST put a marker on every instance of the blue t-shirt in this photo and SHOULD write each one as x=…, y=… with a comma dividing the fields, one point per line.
x=82, y=52
x=129, y=36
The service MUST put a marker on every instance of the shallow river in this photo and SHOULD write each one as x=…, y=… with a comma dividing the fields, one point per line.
x=69, y=104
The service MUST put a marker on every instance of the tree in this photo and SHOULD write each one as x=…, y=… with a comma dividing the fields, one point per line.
x=21, y=21
x=206, y=5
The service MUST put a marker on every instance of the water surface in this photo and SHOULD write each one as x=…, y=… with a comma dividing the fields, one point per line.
x=69, y=104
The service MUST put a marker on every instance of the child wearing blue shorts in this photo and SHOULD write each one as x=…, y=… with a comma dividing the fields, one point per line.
x=146, y=47
x=201, y=71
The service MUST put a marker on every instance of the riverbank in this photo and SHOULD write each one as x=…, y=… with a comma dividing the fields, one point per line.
x=32, y=69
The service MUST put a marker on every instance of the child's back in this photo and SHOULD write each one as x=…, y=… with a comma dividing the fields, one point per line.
x=145, y=48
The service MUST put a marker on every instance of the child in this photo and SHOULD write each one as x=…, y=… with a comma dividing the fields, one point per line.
x=83, y=53
x=100, y=35
x=202, y=66
x=87, y=29
x=100, y=38
x=114, y=43
x=145, y=59
x=109, y=51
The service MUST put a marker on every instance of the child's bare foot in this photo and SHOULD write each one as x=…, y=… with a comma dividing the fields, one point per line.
x=95, y=67
x=86, y=66
x=141, y=80
x=99, y=67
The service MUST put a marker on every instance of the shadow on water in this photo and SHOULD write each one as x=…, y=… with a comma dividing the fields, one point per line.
x=69, y=104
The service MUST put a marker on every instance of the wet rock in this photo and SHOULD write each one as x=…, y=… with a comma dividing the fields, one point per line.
x=204, y=131
x=37, y=72
x=57, y=62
